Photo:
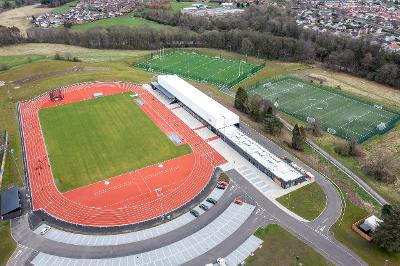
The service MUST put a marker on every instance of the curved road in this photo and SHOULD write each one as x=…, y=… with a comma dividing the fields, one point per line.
x=315, y=233
x=342, y=168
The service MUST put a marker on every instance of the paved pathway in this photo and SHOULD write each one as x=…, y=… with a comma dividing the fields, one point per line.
x=343, y=168
x=321, y=241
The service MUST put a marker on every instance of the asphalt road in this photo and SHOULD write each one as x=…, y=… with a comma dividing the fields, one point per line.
x=266, y=212
x=334, y=206
x=315, y=233
x=342, y=168
x=321, y=241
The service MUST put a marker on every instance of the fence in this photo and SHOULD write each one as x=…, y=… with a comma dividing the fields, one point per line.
x=39, y=216
x=3, y=156
x=343, y=133
x=171, y=70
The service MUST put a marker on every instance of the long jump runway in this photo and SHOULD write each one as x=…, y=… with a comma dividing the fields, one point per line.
x=132, y=197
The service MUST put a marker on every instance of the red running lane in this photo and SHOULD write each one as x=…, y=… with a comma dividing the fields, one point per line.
x=127, y=198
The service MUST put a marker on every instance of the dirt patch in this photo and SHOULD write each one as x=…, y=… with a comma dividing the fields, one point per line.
x=74, y=69
x=21, y=17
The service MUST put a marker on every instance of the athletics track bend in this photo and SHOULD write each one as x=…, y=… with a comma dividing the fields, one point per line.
x=127, y=198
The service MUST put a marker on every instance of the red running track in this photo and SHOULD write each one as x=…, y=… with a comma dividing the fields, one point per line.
x=128, y=198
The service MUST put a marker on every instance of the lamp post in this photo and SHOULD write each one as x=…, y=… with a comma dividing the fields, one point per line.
x=224, y=125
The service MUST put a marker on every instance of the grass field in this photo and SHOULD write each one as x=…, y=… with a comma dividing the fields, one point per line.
x=16, y=60
x=178, y=6
x=7, y=244
x=281, y=248
x=116, y=65
x=127, y=20
x=372, y=254
x=84, y=54
x=338, y=114
x=200, y=67
x=104, y=70
x=307, y=202
x=66, y=7
x=102, y=138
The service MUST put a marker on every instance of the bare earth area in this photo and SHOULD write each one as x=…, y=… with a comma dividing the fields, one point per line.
x=21, y=17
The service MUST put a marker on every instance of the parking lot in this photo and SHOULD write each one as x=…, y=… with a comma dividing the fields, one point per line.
x=174, y=254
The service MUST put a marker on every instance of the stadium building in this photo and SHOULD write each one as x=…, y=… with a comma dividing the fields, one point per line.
x=226, y=124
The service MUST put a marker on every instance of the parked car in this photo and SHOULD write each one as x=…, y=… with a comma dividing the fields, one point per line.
x=220, y=186
x=238, y=201
x=203, y=207
x=211, y=200
x=224, y=183
x=45, y=230
x=221, y=262
x=195, y=213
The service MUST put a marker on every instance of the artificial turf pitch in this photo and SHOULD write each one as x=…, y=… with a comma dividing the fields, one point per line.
x=200, y=67
x=92, y=140
x=339, y=114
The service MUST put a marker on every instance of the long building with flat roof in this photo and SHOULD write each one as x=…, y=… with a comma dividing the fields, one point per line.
x=280, y=171
x=225, y=123
x=212, y=112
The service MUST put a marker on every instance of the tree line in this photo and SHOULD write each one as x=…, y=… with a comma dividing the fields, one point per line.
x=10, y=35
x=263, y=31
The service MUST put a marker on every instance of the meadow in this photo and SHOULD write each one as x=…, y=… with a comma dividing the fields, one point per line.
x=126, y=20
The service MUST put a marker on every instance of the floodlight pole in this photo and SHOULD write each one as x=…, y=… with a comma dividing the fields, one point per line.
x=224, y=125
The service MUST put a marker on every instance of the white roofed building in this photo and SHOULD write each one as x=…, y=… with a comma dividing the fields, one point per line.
x=225, y=123
x=277, y=169
x=209, y=110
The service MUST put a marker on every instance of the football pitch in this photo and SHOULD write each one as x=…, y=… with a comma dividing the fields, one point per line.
x=200, y=67
x=340, y=115
x=92, y=140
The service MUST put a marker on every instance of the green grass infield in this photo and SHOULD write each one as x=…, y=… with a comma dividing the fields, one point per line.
x=92, y=140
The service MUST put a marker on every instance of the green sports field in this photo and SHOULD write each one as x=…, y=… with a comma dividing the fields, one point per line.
x=339, y=114
x=200, y=67
x=92, y=140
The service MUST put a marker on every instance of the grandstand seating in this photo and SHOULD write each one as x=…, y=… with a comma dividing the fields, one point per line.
x=107, y=206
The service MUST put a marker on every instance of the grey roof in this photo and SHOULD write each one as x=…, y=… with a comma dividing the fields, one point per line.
x=10, y=200
x=270, y=161
x=365, y=227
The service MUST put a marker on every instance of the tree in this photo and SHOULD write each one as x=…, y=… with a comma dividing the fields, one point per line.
x=298, y=138
x=387, y=234
x=386, y=209
x=247, y=46
x=315, y=127
x=349, y=148
x=6, y=4
x=255, y=107
x=272, y=124
x=377, y=168
x=241, y=99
